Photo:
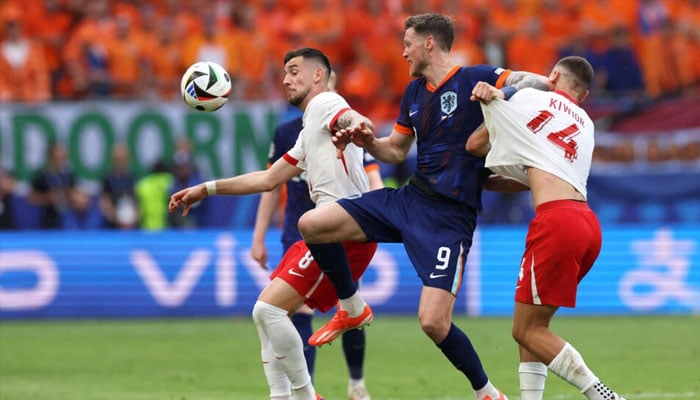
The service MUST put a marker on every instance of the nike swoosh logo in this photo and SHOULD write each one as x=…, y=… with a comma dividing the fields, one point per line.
x=433, y=275
x=295, y=273
x=412, y=113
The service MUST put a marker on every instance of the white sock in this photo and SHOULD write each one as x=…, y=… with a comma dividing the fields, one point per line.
x=569, y=365
x=286, y=343
x=306, y=392
x=532, y=379
x=355, y=382
x=280, y=387
x=487, y=390
x=353, y=305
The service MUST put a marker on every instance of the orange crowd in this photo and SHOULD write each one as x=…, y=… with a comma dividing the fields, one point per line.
x=85, y=49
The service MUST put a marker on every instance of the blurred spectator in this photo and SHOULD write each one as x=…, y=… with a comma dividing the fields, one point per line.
x=54, y=189
x=493, y=43
x=118, y=202
x=49, y=22
x=530, y=50
x=153, y=192
x=185, y=174
x=258, y=78
x=322, y=27
x=125, y=51
x=86, y=52
x=214, y=43
x=24, y=74
x=655, y=58
x=7, y=189
x=163, y=64
x=465, y=50
x=620, y=71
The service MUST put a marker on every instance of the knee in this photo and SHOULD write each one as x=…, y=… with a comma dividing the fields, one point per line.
x=258, y=313
x=307, y=227
x=435, y=328
x=264, y=313
x=519, y=334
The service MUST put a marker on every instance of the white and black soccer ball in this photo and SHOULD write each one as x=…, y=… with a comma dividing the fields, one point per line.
x=205, y=86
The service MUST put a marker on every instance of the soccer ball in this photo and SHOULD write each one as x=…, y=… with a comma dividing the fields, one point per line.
x=205, y=86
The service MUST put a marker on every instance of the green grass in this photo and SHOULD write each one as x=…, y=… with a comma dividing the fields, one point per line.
x=641, y=357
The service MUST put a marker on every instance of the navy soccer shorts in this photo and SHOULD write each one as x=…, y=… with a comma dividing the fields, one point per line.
x=436, y=233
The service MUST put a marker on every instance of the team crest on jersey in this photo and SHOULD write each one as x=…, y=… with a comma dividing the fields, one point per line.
x=448, y=102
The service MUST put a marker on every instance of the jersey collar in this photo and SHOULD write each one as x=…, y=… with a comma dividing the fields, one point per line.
x=449, y=75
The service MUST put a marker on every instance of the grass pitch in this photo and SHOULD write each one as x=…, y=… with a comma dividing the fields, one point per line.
x=216, y=359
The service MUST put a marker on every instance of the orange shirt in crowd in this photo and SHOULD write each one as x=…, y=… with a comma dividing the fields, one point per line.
x=530, y=51
x=24, y=73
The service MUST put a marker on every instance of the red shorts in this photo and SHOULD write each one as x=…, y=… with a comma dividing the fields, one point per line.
x=563, y=241
x=299, y=269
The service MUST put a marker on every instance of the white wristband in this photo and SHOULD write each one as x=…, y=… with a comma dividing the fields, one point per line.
x=211, y=187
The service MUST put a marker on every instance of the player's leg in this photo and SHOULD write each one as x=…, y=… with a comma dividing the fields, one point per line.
x=354, y=350
x=531, y=330
x=435, y=316
x=324, y=229
x=302, y=319
x=532, y=373
x=277, y=381
x=271, y=317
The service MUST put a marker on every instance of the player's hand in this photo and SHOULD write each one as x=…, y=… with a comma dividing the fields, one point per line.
x=186, y=198
x=259, y=253
x=485, y=92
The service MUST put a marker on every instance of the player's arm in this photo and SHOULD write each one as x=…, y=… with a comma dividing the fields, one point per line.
x=351, y=126
x=478, y=142
x=499, y=183
x=391, y=149
x=266, y=208
x=253, y=182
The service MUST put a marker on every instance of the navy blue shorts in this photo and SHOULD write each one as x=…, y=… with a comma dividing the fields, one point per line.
x=436, y=233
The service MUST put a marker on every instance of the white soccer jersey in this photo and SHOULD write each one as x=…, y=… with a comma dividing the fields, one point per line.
x=545, y=130
x=330, y=178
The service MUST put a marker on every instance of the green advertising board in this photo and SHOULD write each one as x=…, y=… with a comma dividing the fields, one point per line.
x=228, y=142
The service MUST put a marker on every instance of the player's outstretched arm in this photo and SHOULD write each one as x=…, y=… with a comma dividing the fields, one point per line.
x=253, y=182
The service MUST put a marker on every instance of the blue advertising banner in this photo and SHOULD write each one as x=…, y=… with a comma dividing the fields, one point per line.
x=80, y=274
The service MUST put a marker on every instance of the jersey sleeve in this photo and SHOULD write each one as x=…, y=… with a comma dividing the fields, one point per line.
x=493, y=75
x=327, y=109
x=296, y=154
x=403, y=122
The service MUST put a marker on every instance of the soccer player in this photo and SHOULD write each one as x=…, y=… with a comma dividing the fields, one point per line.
x=297, y=279
x=297, y=203
x=435, y=214
x=544, y=141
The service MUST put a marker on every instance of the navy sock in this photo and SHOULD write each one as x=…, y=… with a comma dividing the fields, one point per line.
x=459, y=350
x=302, y=322
x=354, y=350
x=333, y=261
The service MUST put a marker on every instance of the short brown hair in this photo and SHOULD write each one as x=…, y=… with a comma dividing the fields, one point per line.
x=437, y=25
x=580, y=69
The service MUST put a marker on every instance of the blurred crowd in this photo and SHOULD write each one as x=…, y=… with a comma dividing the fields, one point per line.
x=117, y=49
